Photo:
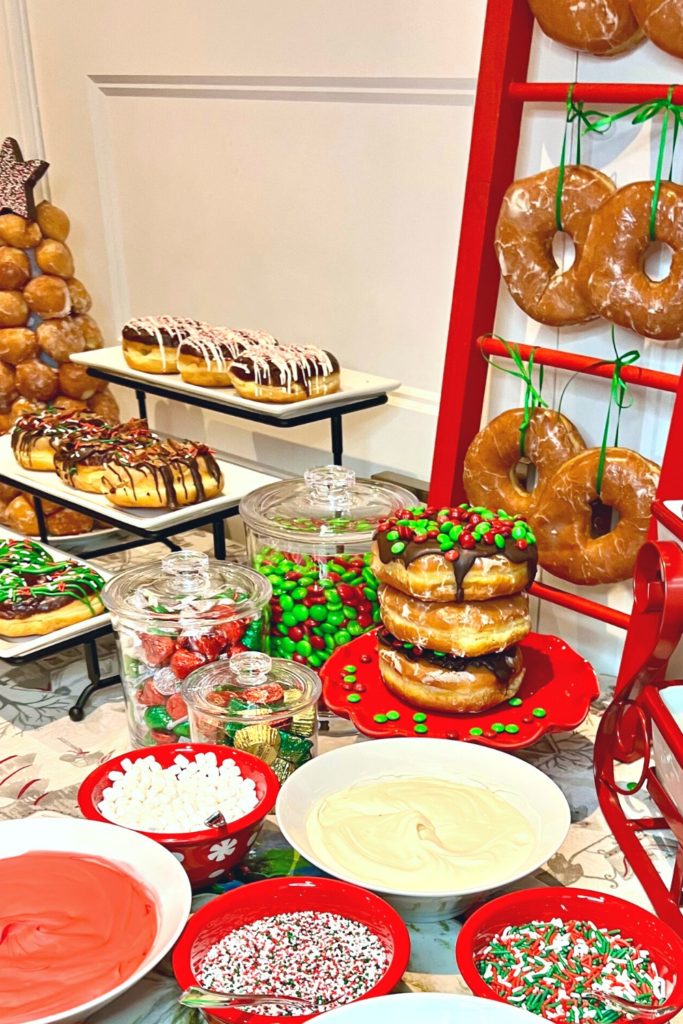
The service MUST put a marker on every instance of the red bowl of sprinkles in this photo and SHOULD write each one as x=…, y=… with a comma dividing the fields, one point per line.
x=497, y=933
x=259, y=900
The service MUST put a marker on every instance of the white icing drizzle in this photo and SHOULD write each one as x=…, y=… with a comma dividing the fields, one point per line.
x=173, y=326
x=294, y=364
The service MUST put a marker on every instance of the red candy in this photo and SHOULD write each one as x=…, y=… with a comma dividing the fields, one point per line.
x=271, y=693
x=157, y=649
x=176, y=707
x=184, y=662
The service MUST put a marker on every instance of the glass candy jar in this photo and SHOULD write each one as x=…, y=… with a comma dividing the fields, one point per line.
x=311, y=538
x=256, y=703
x=173, y=616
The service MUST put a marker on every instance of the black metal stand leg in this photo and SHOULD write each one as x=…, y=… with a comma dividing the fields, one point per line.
x=92, y=664
x=40, y=516
x=337, y=439
x=218, y=527
x=142, y=403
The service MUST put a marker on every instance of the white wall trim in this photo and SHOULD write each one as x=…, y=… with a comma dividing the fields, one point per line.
x=19, y=54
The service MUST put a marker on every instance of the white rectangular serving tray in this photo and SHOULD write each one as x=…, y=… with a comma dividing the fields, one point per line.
x=19, y=647
x=239, y=480
x=354, y=386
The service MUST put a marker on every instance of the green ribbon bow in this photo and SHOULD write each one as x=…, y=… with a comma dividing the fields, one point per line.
x=619, y=394
x=532, y=394
x=642, y=112
x=575, y=112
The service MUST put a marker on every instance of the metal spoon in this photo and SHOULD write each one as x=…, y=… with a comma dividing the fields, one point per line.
x=204, y=997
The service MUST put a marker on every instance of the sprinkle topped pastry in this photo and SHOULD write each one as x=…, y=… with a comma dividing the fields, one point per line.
x=285, y=374
x=164, y=474
x=37, y=435
x=78, y=460
x=463, y=538
x=39, y=595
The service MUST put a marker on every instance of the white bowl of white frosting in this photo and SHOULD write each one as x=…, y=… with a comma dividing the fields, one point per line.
x=428, y=1008
x=431, y=825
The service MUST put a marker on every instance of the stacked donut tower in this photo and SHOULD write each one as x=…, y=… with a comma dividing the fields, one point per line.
x=607, y=28
x=454, y=605
x=44, y=318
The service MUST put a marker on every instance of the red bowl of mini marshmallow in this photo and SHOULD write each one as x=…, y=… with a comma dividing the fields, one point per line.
x=207, y=854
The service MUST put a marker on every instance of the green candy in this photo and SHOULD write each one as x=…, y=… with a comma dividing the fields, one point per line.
x=318, y=612
x=354, y=629
x=476, y=731
x=288, y=584
x=376, y=615
x=369, y=577
x=157, y=717
x=182, y=729
x=487, y=514
x=393, y=535
x=393, y=716
x=515, y=702
x=283, y=628
x=329, y=643
x=316, y=659
x=531, y=537
x=335, y=618
x=519, y=532
x=307, y=581
x=334, y=599
x=419, y=716
x=350, y=677
x=499, y=541
x=398, y=547
x=304, y=648
x=299, y=593
x=342, y=637
x=512, y=728
x=497, y=727
x=539, y=712
x=445, y=543
x=455, y=531
x=287, y=645
x=286, y=603
x=420, y=728
x=350, y=668
x=300, y=613
x=353, y=698
x=350, y=612
x=380, y=719
x=296, y=749
x=326, y=628
x=369, y=594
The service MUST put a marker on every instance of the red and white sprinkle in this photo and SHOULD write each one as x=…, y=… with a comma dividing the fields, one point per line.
x=323, y=958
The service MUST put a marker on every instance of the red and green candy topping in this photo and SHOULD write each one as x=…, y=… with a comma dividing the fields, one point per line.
x=455, y=529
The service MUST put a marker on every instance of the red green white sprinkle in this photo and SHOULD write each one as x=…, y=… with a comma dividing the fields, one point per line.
x=326, y=959
x=565, y=971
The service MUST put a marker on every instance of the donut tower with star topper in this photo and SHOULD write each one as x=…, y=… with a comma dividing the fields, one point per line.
x=454, y=605
x=44, y=318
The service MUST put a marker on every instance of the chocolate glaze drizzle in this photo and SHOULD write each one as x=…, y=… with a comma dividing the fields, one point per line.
x=31, y=582
x=167, y=331
x=76, y=451
x=285, y=366
x=167, y=462
x=414, y=548
x=56, y=427
x=501, y=664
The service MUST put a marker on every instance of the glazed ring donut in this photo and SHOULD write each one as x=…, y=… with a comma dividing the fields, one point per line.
x=48, y=296
x=36, y=381
x=169, y=474
x=17, y=344
x=446, y=682
x=467, y=628
x=15, y=268
x=602, y=27
x=662, y=22
x=58, y=339
x=613, y=269
x=285, y=374
x=205, y=357
x=54, y=258
x=79, y=460
x=13, y=309
x=36, y=437
x=76, y=382
x=52, y=221
x=524, y=238
x=489, y=473
x=454, y=554
x=14, y=230
x=563, y=520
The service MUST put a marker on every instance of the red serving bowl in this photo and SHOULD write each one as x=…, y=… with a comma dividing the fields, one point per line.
x=517, y=908
x=212, y=853
x=282, y=896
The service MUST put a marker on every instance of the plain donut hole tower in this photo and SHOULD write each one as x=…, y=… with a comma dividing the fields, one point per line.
x=44, y=318
x=454, y=605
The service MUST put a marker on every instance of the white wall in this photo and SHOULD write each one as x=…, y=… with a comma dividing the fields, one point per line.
x=300, y=166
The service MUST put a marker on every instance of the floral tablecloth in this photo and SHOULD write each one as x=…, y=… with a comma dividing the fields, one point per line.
x=44, y=757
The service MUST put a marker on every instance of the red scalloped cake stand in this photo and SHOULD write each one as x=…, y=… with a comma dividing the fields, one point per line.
x=556, y=695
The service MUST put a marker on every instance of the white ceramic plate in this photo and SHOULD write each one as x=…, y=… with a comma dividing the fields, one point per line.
x=354, y=386
x=239, y=480
x=428, y=1008
x=529, y=790
x=150, y=862
x=19, y=647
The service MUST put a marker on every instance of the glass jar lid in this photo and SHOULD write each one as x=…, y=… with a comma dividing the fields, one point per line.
x=252, y=687
x=186, y=588
x=328, y=503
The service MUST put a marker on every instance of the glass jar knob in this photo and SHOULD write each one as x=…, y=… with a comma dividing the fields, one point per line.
x=251, y=667
x=188, y=570
x=331, y=485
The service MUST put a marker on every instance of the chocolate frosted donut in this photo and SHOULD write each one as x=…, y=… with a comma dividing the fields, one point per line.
x=79, y=461
x=37, y=435
x=285, y=374
x=206, y=354
x=39, y=595
x=455, y=554
x=150, y=343
x=166, y=474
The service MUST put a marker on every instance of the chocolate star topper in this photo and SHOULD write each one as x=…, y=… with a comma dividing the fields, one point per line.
x=17, y=180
